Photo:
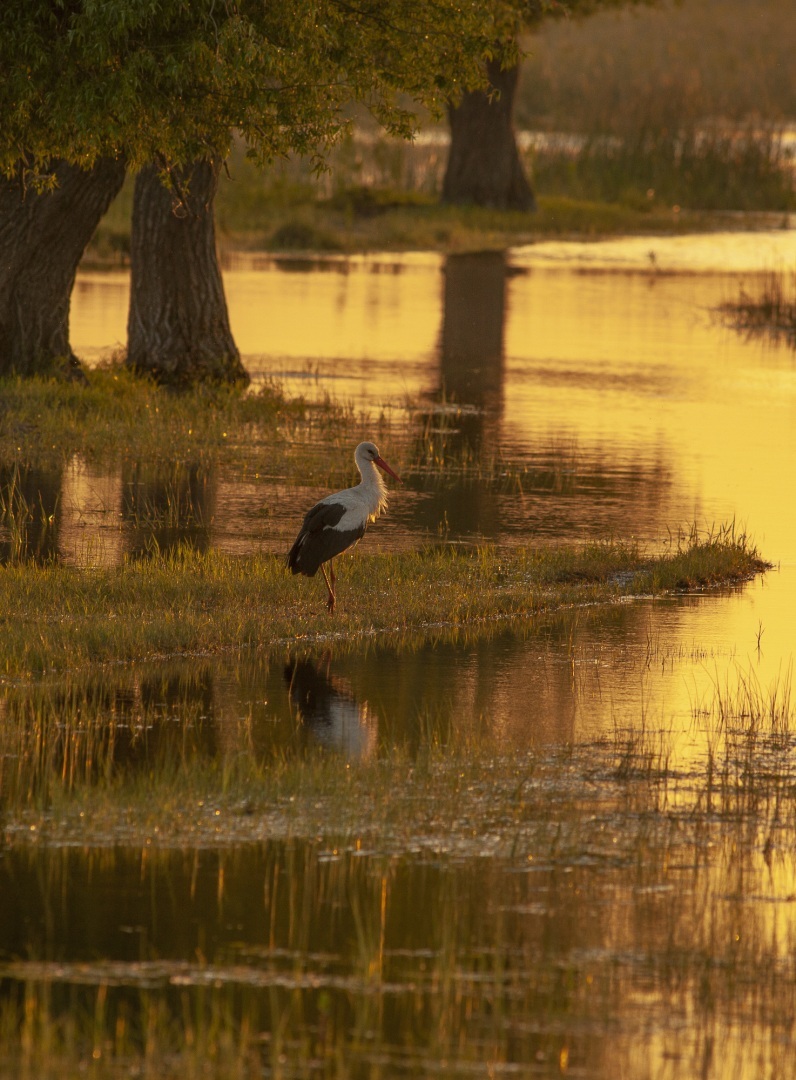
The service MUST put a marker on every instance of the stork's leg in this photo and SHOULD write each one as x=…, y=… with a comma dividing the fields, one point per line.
x=330, y=602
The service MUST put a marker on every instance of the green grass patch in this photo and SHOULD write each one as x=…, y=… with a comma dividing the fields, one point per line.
x=122, y=415
x=59, y=618
x=120, y=412
x=591, y=195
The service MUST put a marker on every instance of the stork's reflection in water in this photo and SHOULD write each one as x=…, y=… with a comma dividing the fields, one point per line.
x=329, y=711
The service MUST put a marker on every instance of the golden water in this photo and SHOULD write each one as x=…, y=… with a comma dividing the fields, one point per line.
x=596, y=356
x=545, y=914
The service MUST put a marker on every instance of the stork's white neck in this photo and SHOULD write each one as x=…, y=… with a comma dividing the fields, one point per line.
x=372, y=488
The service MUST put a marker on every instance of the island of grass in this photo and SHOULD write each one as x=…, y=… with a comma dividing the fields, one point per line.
x=60, y=618
x=57, y=617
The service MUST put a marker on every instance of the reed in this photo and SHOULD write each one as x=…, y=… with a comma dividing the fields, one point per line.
x=767, y=307
x=28, y=517
x=701, y=168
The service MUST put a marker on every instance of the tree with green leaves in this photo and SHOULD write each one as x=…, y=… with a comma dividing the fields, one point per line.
x=92, y=88
x=484, y=166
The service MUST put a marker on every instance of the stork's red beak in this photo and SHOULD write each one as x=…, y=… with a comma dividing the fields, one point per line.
x=382, y=464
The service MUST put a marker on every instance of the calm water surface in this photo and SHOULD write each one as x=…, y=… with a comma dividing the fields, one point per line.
x=599, y=371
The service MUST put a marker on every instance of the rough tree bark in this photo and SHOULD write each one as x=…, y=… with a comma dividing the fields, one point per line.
x=42, y=237
x=484, y=165
x=178, y=328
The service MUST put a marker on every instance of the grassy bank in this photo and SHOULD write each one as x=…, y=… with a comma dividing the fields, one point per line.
x=387, y=220
x=60, y=618
x=118, y=413
x=653, y=180
x=120, y=416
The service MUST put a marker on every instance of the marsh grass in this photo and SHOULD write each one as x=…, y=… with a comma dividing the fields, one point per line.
x=655, y=166
x=122, y=413
x=419, y=909
x=382, y=195
x=161, y=434
x=411, y=908
x=28, y=519
x=140, y=1035
x=442, y=456
x=15, y=516
x=185, y=601
x=768, y=307
x=168, y=496
x=667, y=104
x=699, y=558
x=266, y=213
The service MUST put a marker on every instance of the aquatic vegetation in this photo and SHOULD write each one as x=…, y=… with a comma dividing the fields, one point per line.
x=155, y=433
x=459, y=894
x=683, y=114
x=122, y=414
x=701, y=167
x=188, y=601
x=523, y=908
x=769, y=307
x=443, y=456
x=28, y=509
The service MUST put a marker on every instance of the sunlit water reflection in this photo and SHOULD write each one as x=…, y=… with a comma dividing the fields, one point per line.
x=632, y=411
x=631, y=408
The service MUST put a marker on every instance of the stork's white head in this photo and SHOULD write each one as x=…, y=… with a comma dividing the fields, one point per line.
x=368, y=452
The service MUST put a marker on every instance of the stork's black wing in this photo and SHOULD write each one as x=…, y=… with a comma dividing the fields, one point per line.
x=324, y=515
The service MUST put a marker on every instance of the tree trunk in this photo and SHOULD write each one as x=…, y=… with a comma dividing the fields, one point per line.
x=484, y=165
x=178, y=328
x=42, y=237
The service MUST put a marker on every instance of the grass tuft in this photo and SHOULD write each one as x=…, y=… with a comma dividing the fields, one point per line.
x=768, y=308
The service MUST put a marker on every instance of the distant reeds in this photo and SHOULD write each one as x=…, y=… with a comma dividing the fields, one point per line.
x=699, y=168
x=769, y=306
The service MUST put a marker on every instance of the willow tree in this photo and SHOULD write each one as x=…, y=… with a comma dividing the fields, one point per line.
x=484, y=165
x=159, y=86
x=178, y=325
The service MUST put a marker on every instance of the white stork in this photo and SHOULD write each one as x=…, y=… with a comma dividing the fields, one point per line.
x=339, y=520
